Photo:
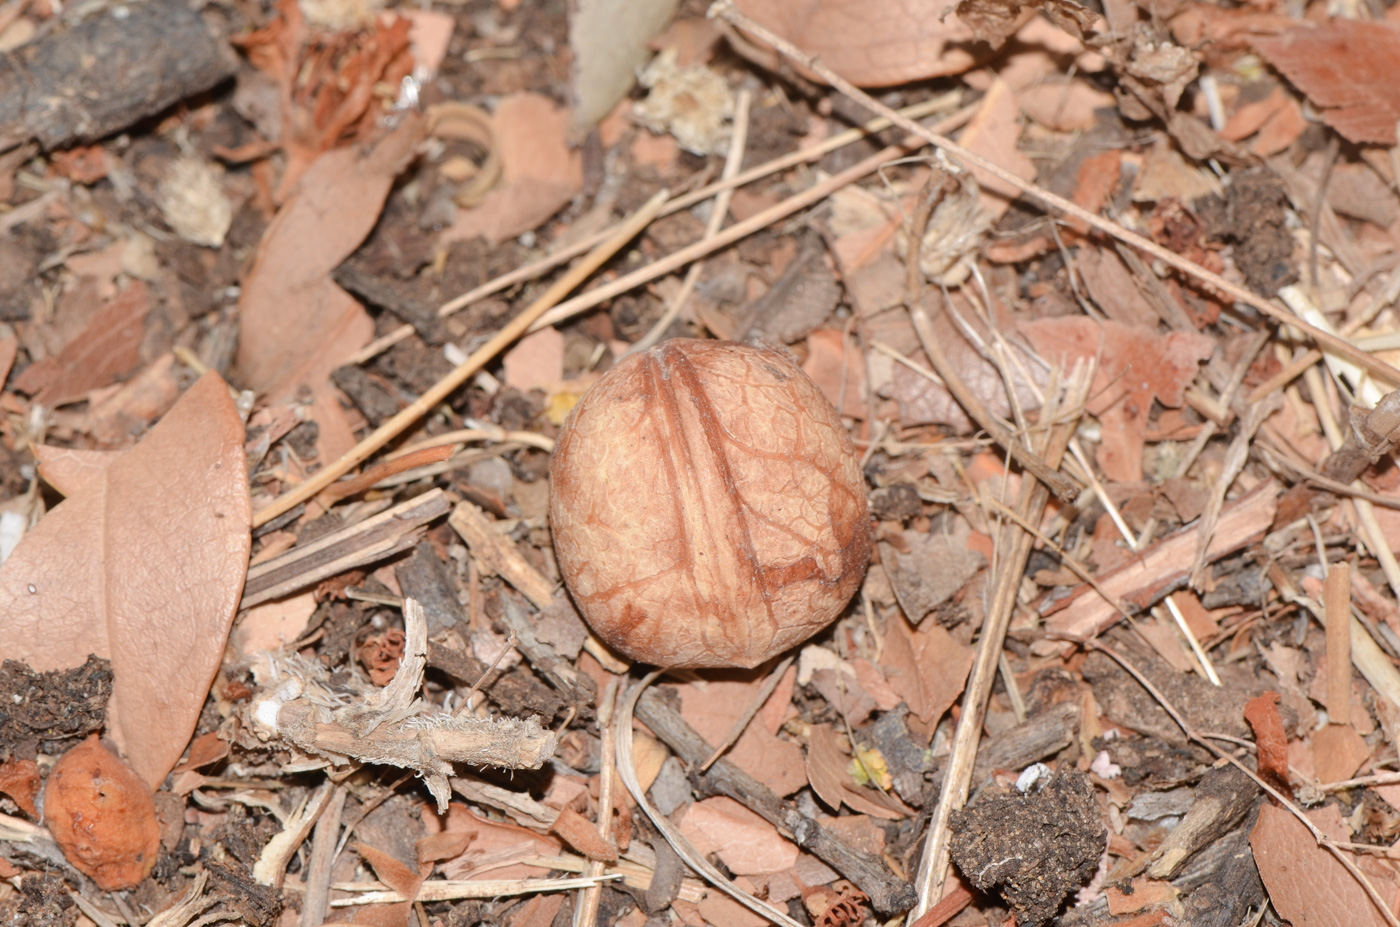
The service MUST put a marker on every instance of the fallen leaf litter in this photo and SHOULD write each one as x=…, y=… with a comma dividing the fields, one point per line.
x=1128, y=488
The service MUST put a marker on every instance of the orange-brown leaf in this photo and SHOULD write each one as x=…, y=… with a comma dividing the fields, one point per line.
x=104, y=351
x=19, y=779
x=1135, y=366
x=295, y=324
x=928, y=668
x=143, y=565
x=826, y=765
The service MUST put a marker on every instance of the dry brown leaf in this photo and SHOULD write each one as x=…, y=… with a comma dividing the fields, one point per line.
x=746, y=843
x=995, y=134
x=1135, y=365
x=1064, y=104
x=536, y=361
x=69, y=469
x=711, y=709
x=539, y=911
x=106, y=349
x=1112, y=286
x=143, y=565
x=205, y=750
x=1338, y=752
x=930, y=569
x=540, y=172
x=871, y=43
x=497, y=845
x=396, y=874
x=20, y=780
x=927, y=667
x=1347, y=69
x=295, y=324
x=838, y=369
x=994, y=21
x=1307, y=885
x=9, y=347
x=135, y=405
x=826, y=765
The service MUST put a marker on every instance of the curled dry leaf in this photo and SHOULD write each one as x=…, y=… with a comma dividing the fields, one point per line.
x=101, y=815
x=143, y=564
x=1270, y=740
x=19, y=779
x=872, y=43
x=540, y=172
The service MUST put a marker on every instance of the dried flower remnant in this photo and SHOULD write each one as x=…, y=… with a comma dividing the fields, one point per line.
x=694, y=104
x=707, y=506
x=102, y=816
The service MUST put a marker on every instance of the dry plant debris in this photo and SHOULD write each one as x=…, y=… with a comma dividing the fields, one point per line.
x=376, y=382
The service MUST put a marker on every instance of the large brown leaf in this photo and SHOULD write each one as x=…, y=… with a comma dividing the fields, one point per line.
x=873, y=43
x=143, y=564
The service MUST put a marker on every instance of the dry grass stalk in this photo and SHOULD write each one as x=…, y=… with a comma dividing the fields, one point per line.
x=271, y=866
x=445, y=890
x=497, y=556
x=393, y=530
x=1062, y=408
x=586, y=911
x=1336, y=610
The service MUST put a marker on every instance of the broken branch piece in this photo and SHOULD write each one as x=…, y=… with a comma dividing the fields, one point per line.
x=391, y=725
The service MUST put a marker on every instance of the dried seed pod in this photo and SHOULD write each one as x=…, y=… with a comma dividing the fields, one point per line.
x=707, y=506
x=102, y=816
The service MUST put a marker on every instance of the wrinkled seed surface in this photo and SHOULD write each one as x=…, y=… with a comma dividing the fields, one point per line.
x=707, y=506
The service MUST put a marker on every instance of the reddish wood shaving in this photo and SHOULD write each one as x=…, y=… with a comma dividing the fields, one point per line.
x=1262, y=714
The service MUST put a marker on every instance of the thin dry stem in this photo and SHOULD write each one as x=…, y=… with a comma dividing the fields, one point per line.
x=1016, y=544
x=443, y=890
x=538, y=268
x=740, y=725
x=1202, y=659
x=627, y=769
x=1059, y=484
x=586, y=914
x=734, y=160
x=739, y=230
